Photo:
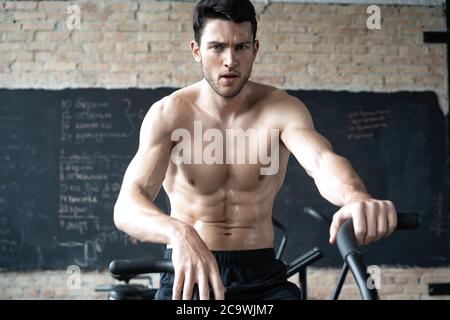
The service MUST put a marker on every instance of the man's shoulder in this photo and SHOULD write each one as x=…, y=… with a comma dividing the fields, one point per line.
x=282, y=109
x=264, y=91
x=278, y=99
x=179, y=104
x=172, y=110
x=182, y=98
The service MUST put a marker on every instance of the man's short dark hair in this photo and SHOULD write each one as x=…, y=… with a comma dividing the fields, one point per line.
x=237, y=11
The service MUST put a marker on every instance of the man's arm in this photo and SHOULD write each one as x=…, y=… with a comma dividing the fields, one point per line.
x=134, y=212
x=137, y=215
x=335, y=178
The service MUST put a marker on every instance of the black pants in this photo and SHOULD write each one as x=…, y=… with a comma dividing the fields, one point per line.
x=247, y=274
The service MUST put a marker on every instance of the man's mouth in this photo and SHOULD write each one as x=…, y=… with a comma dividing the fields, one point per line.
x=229, y=78
x=230, y=75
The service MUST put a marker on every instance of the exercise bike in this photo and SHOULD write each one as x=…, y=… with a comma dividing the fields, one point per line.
x=126, y=270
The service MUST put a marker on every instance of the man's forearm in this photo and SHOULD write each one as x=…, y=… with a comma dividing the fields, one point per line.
x=140, y=218
x=338, y=182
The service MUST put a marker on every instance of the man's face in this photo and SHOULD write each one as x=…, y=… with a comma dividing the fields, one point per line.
x=226, y=52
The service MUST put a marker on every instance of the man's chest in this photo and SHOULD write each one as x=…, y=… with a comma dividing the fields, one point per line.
x=242, y=154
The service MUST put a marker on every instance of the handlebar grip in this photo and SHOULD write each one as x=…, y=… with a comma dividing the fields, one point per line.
x=346, y=240
x=349, y=250
x=119, y=268
x=407, y=220
x=346, y=236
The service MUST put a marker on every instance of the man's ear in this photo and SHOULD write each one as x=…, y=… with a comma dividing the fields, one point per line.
x=195, y=48
x=255, y=48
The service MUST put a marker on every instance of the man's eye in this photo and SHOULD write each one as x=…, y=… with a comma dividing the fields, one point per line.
x=242, y=47
x=217, y=48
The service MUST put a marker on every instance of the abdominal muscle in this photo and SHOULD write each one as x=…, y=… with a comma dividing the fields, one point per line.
x=227, y=220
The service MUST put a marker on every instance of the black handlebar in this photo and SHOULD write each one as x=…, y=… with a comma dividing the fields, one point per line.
x=127, y=269
x=346, y=236
x=408, y=220
x=349, y=250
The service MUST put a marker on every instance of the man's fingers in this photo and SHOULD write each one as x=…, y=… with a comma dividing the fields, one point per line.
x=188, y=287
x=177, y=285
x=391, y=218
x=371, y=219
x=338, y=218
x=359, y=225
x=382, y=227
x=203, y=289
x=217, y=285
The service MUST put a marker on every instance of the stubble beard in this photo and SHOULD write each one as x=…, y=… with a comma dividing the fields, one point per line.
x=214, y=85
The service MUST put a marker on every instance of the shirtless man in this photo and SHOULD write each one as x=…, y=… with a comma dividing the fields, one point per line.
x=219, y=232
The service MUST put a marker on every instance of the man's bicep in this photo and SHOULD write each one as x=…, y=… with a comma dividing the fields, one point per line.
x=300, y=136
x=308, y=147
x=148, y=167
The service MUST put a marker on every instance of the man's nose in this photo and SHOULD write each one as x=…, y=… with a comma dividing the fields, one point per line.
x=230, y=59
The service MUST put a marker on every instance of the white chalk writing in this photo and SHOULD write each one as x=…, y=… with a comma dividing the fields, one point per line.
x=363, y=124
x=91, y=121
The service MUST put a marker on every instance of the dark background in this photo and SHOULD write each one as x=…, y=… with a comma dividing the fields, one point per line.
x=63, y=155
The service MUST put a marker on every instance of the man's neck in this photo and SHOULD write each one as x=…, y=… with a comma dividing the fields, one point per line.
x=225, y=109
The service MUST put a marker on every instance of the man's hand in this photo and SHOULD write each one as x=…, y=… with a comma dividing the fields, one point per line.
x=194, y=264
x=372, y=220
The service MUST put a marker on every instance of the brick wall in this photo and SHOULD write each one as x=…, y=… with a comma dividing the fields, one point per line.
x=396, y=283
x=145, y=44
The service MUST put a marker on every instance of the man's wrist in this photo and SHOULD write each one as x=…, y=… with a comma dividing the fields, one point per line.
x=178, y=232
x=357, y=196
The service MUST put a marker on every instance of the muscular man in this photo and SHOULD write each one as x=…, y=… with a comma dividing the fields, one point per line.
x=219, y=232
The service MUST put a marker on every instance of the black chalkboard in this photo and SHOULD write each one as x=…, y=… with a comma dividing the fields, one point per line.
x=63, y=155
x=397, y=142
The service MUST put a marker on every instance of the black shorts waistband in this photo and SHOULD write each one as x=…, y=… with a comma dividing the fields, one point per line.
x=239, y=257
